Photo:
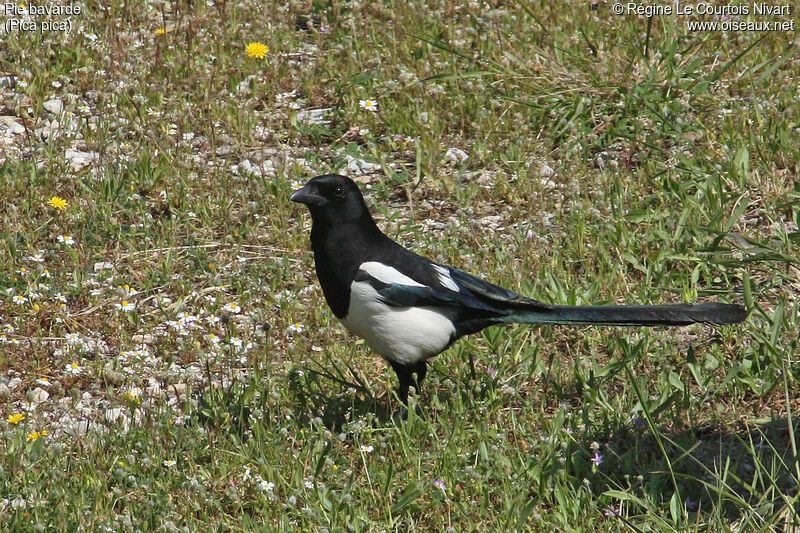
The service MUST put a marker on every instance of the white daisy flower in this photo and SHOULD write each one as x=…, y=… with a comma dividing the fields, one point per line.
x=369, y=104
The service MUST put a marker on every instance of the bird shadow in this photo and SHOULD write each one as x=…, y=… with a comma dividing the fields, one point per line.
x=337, y=397
x=741, y=470
x=750, y=468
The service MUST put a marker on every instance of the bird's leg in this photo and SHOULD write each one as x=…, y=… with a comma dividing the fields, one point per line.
x=408, y=376
x=420, y=368
x=404, y=377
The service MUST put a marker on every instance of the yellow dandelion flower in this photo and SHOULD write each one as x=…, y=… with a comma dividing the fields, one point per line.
x=58, y=202
x=257, y=50
x=15, y=418
x=36, y=435
x=161, y=31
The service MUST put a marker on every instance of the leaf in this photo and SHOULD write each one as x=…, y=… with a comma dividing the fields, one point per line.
x=321, y=460
x=523, y=516
x=700, y=88
x=741, y=206
x=741, y=162
x=694, y=368
x=718, y=74
x=675, y=380
x=412, y=492
x=483, y=451
x=638, y=215
x=774, y=65
x=747, y=289
x=361, y=79
x=675, y=510
x=777, y=322
x=459, y=75
x=624, y=497
x=389, y=478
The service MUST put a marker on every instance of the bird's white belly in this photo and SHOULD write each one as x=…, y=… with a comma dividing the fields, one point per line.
x=401, y=334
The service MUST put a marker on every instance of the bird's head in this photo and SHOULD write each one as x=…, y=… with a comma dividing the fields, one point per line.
x=332, y=197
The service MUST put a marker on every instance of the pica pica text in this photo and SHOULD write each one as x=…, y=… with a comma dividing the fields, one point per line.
x=409, y=308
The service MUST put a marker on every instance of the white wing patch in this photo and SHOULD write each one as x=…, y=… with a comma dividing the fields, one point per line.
x=445, y=279
x=387, y=274
x=402, y=334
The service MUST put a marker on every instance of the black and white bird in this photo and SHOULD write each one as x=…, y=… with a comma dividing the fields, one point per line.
x=409, y=308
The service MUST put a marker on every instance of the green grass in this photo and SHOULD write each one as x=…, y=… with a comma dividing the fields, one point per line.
x=611, y=159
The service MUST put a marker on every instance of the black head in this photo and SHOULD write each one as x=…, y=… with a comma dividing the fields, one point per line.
x=333, y=198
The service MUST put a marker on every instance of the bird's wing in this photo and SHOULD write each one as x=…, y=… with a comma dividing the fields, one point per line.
x=489, y=292
x=400, y=290
x=442, y=286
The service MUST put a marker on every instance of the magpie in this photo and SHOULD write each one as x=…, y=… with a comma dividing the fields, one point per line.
x=409, y=308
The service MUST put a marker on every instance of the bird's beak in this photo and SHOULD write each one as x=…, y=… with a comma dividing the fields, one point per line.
x=307, y=195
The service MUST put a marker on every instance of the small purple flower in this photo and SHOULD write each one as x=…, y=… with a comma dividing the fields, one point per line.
x=638, y=423
x=439, y=484
x=597, y=459
x=691, y=504
x=492, y=371
x=611, y=511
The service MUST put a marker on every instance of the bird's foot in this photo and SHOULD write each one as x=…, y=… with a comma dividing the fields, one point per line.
x=408, y=402
x=401, y=415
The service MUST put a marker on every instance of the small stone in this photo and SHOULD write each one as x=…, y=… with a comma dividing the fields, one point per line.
x=244, y=89
x=11, y=125
x=55, y=106
x=546, y=170
x=113, y=376
x=357, y=167
x=260, y=133
x=48, y=130
x=78, y=160
x=178, y=389
x=38, y=395
x=116, y=414
x=245, y=167
x=154, y=390
x=313, y=116
x=143, y=338
x=547, y=183
x=455, y=155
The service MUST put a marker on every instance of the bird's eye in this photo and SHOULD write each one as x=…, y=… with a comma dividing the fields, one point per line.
x=339, y=192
